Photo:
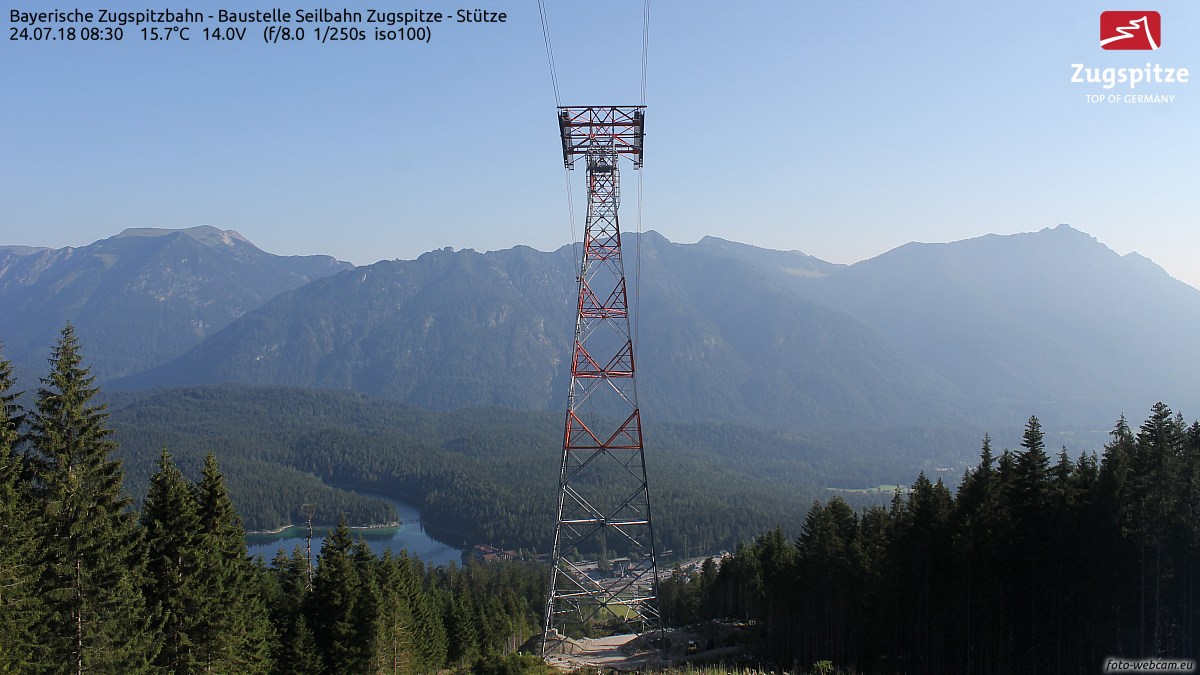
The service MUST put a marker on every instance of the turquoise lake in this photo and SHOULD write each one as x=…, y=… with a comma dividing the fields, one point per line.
x=410, y=537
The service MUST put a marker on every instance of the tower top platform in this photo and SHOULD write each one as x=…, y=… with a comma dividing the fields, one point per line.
x=619, y=129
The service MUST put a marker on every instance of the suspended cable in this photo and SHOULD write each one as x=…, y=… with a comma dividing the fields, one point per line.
x=558, y=103
x=637, y=266
x=566, y=173
x=571, y=214
x=645, y=45
x=550, y=51
x=637, y=269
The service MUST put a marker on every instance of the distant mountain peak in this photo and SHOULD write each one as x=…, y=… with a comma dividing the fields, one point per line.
x=791, y=263
x=711, y=240
x=1141, y=262
x=143, y=296
x=1065, y=230
x=205, y=234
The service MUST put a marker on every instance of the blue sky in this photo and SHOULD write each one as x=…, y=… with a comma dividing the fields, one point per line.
x=841, y=129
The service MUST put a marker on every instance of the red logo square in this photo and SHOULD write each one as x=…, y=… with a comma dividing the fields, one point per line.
x=1130, y=30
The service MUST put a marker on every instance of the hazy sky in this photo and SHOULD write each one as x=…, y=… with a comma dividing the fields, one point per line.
x=841, y=129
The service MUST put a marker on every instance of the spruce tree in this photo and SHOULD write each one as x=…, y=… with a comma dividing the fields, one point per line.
x=1033, y=467
x=366, y=612
x=173, y=560
x=463, y=631
x=826, y=575
x=393, y=650
x=296, y=645
x=1156, y=486
x=982, y=529
x=777, y=563
x=430, y=636
x=1190, y=513
x=333, y=605
x=91, y=549
x=1031, y=508
x=20, y=607
x=233, y=628
x=922, y=558
x=1117, y=554
x=1116, y=465
x=299, y=654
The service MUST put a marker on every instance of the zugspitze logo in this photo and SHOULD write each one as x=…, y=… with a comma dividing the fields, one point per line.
x=1130, y=30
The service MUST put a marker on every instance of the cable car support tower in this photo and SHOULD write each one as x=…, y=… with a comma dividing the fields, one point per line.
x=605, y=570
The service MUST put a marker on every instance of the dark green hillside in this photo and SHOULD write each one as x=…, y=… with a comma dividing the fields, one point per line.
x=486, y=474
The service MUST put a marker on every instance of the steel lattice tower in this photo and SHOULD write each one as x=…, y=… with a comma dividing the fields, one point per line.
x=604, y=567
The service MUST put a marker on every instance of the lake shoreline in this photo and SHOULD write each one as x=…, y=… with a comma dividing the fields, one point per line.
x=393, y=535
x=322, y=528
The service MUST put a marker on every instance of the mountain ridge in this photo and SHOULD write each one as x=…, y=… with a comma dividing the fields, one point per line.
x=142, y=297
x=514, y=309
x=1043, y=317
x=970, y=332
x=203, y=233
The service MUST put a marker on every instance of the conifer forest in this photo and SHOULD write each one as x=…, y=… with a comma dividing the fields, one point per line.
x=1036, y=562
x=88, y=585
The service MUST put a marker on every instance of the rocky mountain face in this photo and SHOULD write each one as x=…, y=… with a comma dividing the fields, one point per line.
x=142, y=297
x=977, y=332
x=717, y=340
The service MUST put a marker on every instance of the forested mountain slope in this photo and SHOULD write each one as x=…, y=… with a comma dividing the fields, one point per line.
x=141, y=297
x=490, y=474
x=717, y=340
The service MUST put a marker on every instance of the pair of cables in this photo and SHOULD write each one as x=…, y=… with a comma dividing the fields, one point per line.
x=637, y=283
